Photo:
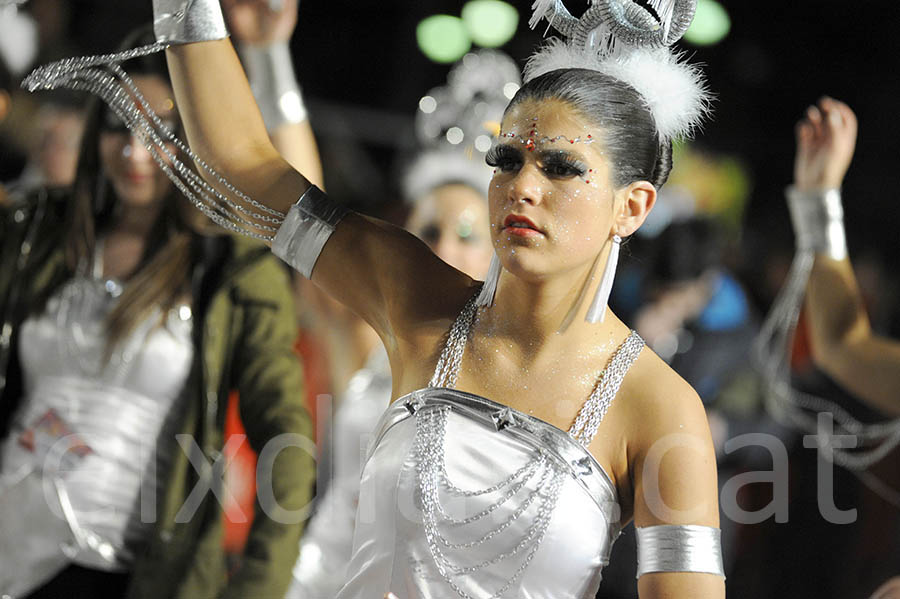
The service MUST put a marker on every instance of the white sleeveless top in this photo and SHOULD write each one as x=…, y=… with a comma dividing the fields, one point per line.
x=110, y=413
x=463, y=496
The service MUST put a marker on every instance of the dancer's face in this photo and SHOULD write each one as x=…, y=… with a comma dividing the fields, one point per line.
x=136, y=178
x=552, y=202
x=453, y=221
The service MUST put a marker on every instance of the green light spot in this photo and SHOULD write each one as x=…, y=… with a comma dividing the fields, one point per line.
x=443, y=38
x=711, y=24
x=491, y=23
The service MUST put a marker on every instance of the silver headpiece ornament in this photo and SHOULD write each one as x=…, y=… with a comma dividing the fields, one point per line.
x=630, y=42
x=457, y=123
x=466, y=112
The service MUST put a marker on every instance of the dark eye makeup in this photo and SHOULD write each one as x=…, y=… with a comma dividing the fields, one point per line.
x=504, y=158
x=556, y=163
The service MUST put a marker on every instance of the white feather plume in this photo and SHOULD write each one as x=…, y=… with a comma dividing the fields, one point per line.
x=675, y=91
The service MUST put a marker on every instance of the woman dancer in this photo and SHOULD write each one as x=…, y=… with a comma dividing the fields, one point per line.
x=126, y=321
x=510, y=503
x=490, y=497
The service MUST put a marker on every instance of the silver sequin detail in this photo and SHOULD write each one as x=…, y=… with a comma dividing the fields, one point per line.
x=686, y=548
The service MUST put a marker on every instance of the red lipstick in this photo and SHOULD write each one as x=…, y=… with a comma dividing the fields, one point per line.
x=522, y=226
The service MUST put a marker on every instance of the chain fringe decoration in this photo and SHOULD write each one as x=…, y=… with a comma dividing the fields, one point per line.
x=104, y=77
x=772, y=354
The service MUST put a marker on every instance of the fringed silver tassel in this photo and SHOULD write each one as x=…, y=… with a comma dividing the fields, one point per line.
x=772, y=352
x=597, y=311
x=486, y=297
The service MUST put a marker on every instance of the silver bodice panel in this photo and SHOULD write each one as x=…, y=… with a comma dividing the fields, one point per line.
x=484, y=443
x=118, y=409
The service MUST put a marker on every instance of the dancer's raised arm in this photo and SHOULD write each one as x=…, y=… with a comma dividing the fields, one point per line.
x=364, y=262
x=261, y=33
x=843, y=343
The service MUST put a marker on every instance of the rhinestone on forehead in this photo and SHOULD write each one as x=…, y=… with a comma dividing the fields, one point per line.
x=534, y=138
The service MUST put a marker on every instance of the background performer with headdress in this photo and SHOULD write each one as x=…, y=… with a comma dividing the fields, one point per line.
x=127, y=320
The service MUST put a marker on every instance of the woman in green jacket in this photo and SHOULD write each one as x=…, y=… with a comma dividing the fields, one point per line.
x=125, y=323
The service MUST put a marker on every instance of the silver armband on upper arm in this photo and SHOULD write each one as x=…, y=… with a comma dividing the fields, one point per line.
x=308, y=225
x=186, y=21
x=685, y=548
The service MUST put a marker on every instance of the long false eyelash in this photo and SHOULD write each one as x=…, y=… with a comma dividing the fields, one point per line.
x=576, y=167
x=501, y=154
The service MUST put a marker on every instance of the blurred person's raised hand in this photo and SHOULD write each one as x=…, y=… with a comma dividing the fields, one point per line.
x=826, y=138
x=261, y=22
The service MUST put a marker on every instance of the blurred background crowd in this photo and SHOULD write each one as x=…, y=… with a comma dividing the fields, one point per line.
x=695, y=282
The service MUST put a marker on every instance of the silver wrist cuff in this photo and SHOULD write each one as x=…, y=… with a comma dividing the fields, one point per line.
x=186, y=21
x=274, y=83
x=686, y=548
x=818, y=219
x=308, y=225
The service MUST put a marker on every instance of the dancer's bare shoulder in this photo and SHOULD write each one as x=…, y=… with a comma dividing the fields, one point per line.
x=656, y=398
x=670, y=456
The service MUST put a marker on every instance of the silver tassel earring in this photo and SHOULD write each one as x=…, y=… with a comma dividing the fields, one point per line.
x=486, y=297
x=597, y=311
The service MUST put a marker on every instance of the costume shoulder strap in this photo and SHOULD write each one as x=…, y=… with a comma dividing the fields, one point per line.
x=447, y=370
x=594, y=409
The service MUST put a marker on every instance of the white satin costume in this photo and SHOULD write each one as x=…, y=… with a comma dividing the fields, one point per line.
x=463, y=496
x=74, y=468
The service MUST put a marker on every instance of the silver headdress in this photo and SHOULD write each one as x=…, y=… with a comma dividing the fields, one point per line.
x=465, y=114
x=456, y=123
x=630, y=42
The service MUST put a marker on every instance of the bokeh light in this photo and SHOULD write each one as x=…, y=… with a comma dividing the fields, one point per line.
x=443, y=38
x=711, y=24
x=491, y=23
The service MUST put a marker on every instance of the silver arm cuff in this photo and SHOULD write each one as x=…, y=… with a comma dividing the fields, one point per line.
x=685, y=548
x=274, y=84
x=818, y=219
x=186, y=21
x=308, y=225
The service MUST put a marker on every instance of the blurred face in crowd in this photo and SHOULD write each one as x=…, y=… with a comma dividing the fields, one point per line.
x=135, y=176
x=58, y=143
x=453, y=221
